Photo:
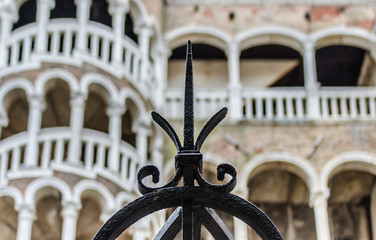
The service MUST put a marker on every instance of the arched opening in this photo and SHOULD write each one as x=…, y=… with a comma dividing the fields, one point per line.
x=344, y=66
x=48, y=222
x=17, y=107
x=349, y=205
x=127, y=121
x=129, y=28
x=64, y=9
x=8, y=218
x=95, y=116
x=284, y=197
x=271, y=66
x=99, y=12
x=57, y=100
x=27, y=13
x=89, y=221
x=210, y=67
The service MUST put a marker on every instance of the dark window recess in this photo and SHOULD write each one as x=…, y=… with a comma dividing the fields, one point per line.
x=231, y=16
x=339, y=65
x=99, y=12
x=272, y=51
x=64, y=9
x=27, y=14
x=201, y=51
x=295, y=77
x=128, y=29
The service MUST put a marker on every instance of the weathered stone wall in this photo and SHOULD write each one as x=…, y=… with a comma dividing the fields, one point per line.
x=236, y=18
x=296, y=139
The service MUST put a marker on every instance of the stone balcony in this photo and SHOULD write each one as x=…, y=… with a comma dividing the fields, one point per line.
x=99, y=157
x=282, y=105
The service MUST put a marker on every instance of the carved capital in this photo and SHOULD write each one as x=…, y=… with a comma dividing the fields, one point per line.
x=118, y=7
x=37, y=102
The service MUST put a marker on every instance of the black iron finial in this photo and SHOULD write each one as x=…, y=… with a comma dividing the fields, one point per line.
x=189, y=159
x=188, y=132
x=189, y=102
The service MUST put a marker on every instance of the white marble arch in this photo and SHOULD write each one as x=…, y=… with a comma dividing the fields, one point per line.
x=7, y=87
x=40, y=183
x=108, y=202
x=128, y=93
x=55, y=73
x=123, y=198
x=198, y=34
x=156, y=40
x=10, y=6
x=343, y=35
x=96, y=78
x=138, y=12
x=354, y=160
x=271, y=35
x=295, y=164
x=13, y=193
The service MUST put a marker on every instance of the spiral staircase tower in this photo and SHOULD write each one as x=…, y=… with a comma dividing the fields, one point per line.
x=79, y=78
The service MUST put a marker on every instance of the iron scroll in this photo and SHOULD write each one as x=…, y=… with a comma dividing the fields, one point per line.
x=194, y=202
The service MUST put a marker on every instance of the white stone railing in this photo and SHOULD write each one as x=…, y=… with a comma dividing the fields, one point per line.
x=274, y=104
x=207, y=103
x=61, y=47
x=357, y=103
x=53, y=152
x=19, y=48
x=285, y=104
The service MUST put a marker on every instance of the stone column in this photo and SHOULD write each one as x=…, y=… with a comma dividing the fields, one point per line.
x=69, y=215
x=144, y=31
x=157, y=154
x=373, y=211
x=43, y=15
x=234, y=86
x=8, y=16
x=34, y=123
x=142, y=130
x=76, y=125
x=118, y=9
x=114, y=112
x=310, y=81
x=83, y=16
x=240, y=227
x=160, y=71
x=26, y=215
x=141, y=229
x=320, y=207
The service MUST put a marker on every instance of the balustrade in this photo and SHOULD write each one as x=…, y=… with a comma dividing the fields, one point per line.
x=207, y=102
x=19, y=47
x=62, y=46
x=53, y=153
x=270, y=104
x=348, y=103
x=284, y=104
